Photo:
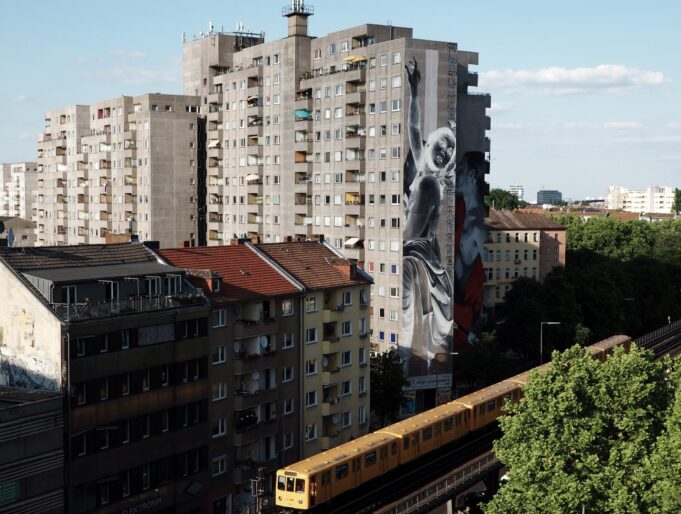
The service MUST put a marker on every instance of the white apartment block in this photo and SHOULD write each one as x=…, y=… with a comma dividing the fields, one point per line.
x=120, y=166
x=518, y=191
x=307, y=137
x=18, y=182
x=653, y=199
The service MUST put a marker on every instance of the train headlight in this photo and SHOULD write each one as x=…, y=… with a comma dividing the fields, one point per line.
x=300, y=501
x=279, y=498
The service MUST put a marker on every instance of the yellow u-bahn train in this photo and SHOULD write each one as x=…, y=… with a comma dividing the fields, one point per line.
x=308, y=485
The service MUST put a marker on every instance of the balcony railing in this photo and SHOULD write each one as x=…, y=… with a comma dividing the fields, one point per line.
x=135, y=304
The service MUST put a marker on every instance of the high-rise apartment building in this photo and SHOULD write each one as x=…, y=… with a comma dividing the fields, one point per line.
x=120, y=166
x=309, y=136
x=653, y=199
x=18, y=182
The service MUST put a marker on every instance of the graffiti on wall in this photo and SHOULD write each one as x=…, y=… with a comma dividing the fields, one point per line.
x=23, y=363
x=427, y=285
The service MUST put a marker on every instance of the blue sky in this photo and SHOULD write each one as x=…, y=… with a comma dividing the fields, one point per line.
x=584, y=94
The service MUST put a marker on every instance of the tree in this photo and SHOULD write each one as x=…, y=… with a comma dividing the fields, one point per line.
x=582, y=435
x=676, y=206
x=524, y=309
x=480, y=362
x=387, y=383
x=502, y=199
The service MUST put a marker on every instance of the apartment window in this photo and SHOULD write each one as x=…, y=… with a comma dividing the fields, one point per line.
x=347, y=297
x=218, y=354
x=339, y=89
x=146, y=427
x=125, y=432
x=288, y=406
x=384, y=60
x=346, y=388
x=346, y=419
x=346, y=328
x=219, y=428
x=317, y=53
x=346, y=358
x=362, y=355
x=362, y=326
x=103, y=493
x=146, y=476
x=165, y=376
x=394, y=292
x=219, y=464
x=287, y=307
x=362, y=385
x=219, y=318
x=397, y=81
x=395, y=222
x=397, y=104
x=332, y=48
x=219, y=391
x=344, y=46
x=287, y=373
x=165, y=421
x=384, y=84
x=397, y=58
x=311, y=335
x=361, y=415
x=125, y=484
x=81, y=346
x=310, y=398
x=384, y=106
x=311, y=432
x=395, y=129
x=311, y=367
x=288, y=440
x=146, y=380
x=393, y=315
x=287, y=341
x=125, y=384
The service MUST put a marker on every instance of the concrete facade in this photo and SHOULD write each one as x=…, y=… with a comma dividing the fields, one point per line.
x=18, y=182
x=129, y=162
x=308, y=137
x=653, y=199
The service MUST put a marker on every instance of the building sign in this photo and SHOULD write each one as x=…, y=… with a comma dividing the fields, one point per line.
x=10, y=492
x=429, y=382
x=149, y=505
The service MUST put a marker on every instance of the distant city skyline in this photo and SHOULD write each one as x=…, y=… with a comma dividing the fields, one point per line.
x=575, y=113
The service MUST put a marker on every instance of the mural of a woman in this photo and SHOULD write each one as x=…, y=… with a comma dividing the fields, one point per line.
x=427, y=309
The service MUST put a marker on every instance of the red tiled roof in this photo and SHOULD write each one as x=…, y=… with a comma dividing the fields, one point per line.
x=313, y=264
x=245, y=274
x=501, y=219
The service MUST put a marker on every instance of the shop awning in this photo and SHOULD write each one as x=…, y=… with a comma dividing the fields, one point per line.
x=352, y=242
x=302, y=113
x=355, y=58
x=252, y=176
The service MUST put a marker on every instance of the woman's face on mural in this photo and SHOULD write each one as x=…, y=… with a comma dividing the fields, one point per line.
x=440, y=148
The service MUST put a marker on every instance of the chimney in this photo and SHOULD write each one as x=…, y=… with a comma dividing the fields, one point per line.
x=297, y=13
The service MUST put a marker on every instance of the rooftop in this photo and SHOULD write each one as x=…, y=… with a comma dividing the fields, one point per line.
x=245, y=274
x=502, y=219
x=15, y=396
x=315, y=264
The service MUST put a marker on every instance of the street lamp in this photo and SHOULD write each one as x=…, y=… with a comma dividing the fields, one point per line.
x=541, y=338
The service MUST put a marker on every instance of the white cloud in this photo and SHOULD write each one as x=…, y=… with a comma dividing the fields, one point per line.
x=26, y=137
x=126, y=71
x=673, y=125
x=510, y=126
x=647, y=139
x=622, y=125
x=501, y=107
x=616, y=125
x=557, y=80
x=128, y=55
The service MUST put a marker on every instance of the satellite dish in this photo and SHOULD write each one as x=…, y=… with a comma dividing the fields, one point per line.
x=325, y=361
x=335, y=419
x=263, y=342
x=237, y=347
x=255, y=375
x=2, y=227
x=10, y=237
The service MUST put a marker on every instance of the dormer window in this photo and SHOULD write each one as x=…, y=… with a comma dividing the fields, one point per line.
x=216, y=284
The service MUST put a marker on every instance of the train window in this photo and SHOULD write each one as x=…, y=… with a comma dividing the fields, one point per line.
x=437, y=428
x=416, y=438
x=281, y=483
x=300, y=485
x=449, y=424
x=326, y=478
x=427, y=433
x=341, y=471
x=481, y=409
x=490, y=406
x=458, y=419
x=507, y=396
x=406, y=442
x=393, y=448
x=384, y=452
x=289, y=484
x=369, y=459
x=355, y=465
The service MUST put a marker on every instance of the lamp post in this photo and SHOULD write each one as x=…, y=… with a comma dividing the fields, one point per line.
x=541, y=338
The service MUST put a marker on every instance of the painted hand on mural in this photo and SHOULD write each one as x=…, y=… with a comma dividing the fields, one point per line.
x=427, y=312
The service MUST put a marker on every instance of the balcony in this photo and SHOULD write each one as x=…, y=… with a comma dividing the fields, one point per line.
x=253, y=328
x=246, y=400
x=132, y=305
x=249, y=362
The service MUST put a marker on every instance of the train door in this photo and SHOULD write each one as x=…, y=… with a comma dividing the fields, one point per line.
x=313, y=490
x=323, y=486
x=356, y=471
x=384, y=458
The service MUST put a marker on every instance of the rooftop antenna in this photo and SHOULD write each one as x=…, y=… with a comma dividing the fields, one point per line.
x=210, y=26
x=184, y=37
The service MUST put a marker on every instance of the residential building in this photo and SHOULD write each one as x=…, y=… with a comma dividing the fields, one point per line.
x=18, y=182
x=519, y=244
x=518, y=191
x=124, y=336
x=549, y=197
x=335, y=312
x=652, y=200
x=17, y=232
x=255, y=372
x=31, y=450
x=129, y=165
x=307, y=137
